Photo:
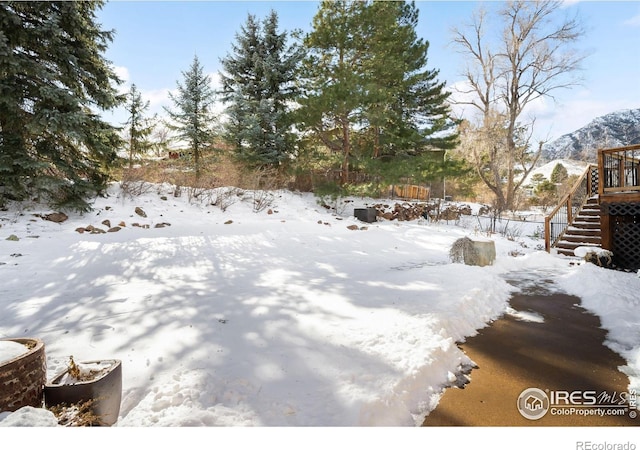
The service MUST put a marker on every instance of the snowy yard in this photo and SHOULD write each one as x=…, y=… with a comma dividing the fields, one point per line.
x=281, y=317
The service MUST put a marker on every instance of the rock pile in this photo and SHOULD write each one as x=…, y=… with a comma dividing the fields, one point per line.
x=108, y=228
x=415, y=211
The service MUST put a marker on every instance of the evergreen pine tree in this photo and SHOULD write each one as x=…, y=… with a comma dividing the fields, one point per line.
x=53, y=77
x=559, y=174
x=367, y=91
x=256, y=83
x=332, y=96
x=406, y=107
x=138, y=127
x=192, y=118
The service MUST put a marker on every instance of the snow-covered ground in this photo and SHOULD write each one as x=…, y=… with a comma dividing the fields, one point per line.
x=274, y=316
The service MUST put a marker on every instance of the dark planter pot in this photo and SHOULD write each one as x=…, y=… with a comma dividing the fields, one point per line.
x=366, y=214
x=100, y=396
x=22, y=378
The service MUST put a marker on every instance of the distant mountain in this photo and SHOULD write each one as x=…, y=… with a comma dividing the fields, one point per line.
x=616, y=129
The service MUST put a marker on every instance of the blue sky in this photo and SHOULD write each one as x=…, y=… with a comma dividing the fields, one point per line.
x=156, y=41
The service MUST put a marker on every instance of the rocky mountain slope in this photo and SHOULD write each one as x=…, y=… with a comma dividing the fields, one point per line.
x=616, y=129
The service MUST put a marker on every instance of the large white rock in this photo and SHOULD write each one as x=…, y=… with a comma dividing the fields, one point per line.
x=474, y=252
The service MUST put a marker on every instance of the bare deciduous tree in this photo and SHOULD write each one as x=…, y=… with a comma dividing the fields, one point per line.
x=160, y=137
x=530, y=58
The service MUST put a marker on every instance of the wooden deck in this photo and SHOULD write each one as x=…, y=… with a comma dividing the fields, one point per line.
x=619, y=174
x=615, y=182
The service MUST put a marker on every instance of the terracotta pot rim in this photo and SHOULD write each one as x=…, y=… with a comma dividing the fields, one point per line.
x=38, y=345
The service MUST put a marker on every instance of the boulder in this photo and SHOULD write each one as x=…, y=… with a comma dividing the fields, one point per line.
x=473, y=252
x=600, y=257
x=56, y=217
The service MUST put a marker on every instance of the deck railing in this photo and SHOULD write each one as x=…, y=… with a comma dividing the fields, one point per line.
x=619, y=169
x=556, y=223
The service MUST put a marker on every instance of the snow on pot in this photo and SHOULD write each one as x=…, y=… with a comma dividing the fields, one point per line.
x=23, y=371
x=87, y=393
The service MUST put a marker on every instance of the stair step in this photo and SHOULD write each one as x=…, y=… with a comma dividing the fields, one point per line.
x=587, y=217
x=583, y=231
x=573, y=245
x=586, y=225
x=565, y=252
x=568, y=248
x=581, y=238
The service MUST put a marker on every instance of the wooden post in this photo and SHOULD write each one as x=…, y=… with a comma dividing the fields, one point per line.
x=601, y=173
x=621, y=163
x=547, y=233
x=605, y=228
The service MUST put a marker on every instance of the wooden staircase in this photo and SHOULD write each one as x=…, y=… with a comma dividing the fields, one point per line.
x=584, y=231
x=606, y=195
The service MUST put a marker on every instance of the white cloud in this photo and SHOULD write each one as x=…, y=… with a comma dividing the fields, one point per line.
x=460, y=96
x=218, y=106
x=552, y=119
x=568, y=3
x=215, y=80
x=122, y=73
x=157, y=97
x=576, y=113
x=633, y=22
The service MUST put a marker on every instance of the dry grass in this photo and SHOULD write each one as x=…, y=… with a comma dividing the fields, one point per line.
x=215, y=171
x=76, y=415
x=222, y=181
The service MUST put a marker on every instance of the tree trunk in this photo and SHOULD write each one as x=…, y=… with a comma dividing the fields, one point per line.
x=196, y=159
x=131, y=153
x=346, y=149
x=376, y=142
